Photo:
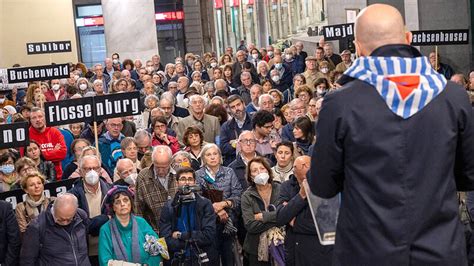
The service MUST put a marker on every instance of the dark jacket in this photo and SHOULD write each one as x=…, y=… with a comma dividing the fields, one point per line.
x=286, y=80
x=230, y=131
x=239, y=168
x=78, y=191
x=10, y=241
x=88, y=133
x=244, y=93
x=180, y=112
x=47, y=169
x=46, y=243
x=204, y=235
x=251, y=204
x=399, y=176
x=301, y=242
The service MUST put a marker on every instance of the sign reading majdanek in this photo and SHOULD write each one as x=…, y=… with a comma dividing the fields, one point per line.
x=14, y=135
x=339, y=31
x=37, y=73
x=48, y=47
x=440, y=37
x=92, y=108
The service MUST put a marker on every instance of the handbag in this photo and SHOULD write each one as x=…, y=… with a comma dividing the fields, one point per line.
x=121, y=263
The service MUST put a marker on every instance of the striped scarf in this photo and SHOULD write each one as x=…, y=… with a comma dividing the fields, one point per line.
x=406, y=85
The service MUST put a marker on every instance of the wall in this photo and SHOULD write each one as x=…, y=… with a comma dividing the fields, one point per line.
x=25, y=21
x=443, y=15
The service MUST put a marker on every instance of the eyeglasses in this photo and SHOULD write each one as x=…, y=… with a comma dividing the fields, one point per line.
x=87, y=169
x=248, y=141
x=115, y=125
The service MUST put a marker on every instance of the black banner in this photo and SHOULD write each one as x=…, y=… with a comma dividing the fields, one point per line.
x=89, y=109
x=69, y=111
x=50, y=190
x=14, y=135
x=48, y=47
x=339, y=31
x=37, y=73
x=440, y=37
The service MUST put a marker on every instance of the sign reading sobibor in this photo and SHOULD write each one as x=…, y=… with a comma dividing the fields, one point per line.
x=37, y=73
x=92, y=108
x=14, y=135
x=48, y=47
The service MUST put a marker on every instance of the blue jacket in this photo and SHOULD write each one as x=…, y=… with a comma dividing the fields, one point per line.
x=78, y=191
x=68, y=138
x=230, y=131
x=204, y=234
x=239, y=168
x=110, y=151
x=287, y=133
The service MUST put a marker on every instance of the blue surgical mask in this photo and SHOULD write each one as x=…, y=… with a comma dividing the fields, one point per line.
x=7, y=168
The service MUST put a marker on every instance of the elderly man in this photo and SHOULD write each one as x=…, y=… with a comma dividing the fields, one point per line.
x=98, y=86
x=143, y=140
x=109, y=143
x=400, y=166
x=285, y=76
x=50, y=140
x=346, y=61
x=57, y=236
x=247, y=144
x=255, y=91
x=90, y=191
x=208, y=124
x=330, y=56
x=127, y=172
x=311, y=74
x=295, y=214
x=167, y=105
x=155, y=185
x=232, y=128
x=155, y=59
x=299, y=50
x=244, y=89
x=183, y=86
x=297, y=109
x=265, y=102
x=220, y=84
x=100, y=75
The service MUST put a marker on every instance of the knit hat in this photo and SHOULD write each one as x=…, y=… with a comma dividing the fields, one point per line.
x=109, y=198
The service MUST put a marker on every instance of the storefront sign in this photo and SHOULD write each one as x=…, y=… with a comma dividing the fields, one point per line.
x=339, y=31
x=52, y=189
x=14, y=135
x=440, y=37
x=37, y=73
x=48, y=47
x=92, y=108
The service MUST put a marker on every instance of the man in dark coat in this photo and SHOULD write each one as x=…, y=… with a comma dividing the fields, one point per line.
x=301, y=243
x=398, y=140
x=10, y=242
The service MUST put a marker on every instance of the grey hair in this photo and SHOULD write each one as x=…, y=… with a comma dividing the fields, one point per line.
x=193, y=97
x=208, y=147
x=182, y=153
x=97, y=81
x=162, y=149
x=167, y=95
x=151, y=96
x=261, y=97
x=65, y=199
x=142, y=133
x=245, y=74
x=83, y=158
x=246, y=132
x=219, y=98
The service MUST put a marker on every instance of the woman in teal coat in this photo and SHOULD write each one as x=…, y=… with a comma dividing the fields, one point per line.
x=123, y=236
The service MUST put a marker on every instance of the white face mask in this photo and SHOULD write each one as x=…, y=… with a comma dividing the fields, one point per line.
x=2, y=100
x=55, y=87
x=213, y=64
x=115, y=61
x=288, y=56
x=131, y=179
x=254, y=56
x=92, y=177
x=261, y=179
x=278, y=66
x=276, y=78
x=270, y=53
x=83, y=87
x=324, y=70
x=320, y=91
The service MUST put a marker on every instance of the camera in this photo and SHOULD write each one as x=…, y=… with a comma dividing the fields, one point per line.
x=186, y=193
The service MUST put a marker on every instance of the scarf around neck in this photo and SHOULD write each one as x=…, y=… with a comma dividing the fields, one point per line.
x=407, y=85
x=35, y=204
x=119, y=248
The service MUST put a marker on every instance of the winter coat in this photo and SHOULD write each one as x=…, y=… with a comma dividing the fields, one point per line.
x=230, y=131
x=399, y=176
x=301, y=241
x=10, y=242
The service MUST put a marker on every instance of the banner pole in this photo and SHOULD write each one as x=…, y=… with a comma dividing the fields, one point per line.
x=436, y=52
x=96, y=136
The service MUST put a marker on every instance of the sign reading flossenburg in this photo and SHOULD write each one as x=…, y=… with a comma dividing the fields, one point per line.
x=14, y=135
x=339, y=31
x=48, y=47
x=92, y=108
x=37, y=73
x=440, y=37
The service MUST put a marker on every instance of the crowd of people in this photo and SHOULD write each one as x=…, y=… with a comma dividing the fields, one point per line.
x=214, y=163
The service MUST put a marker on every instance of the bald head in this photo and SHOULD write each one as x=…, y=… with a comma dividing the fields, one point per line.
x=65, y=207
x=301, y=167
x=378, y=25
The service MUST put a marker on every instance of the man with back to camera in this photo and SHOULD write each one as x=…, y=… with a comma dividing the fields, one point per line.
x=398, y=140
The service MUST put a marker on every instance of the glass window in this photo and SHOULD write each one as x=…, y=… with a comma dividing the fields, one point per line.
x=89, y=11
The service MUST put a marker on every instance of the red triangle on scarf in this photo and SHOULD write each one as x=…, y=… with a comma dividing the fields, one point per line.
x=406, y=84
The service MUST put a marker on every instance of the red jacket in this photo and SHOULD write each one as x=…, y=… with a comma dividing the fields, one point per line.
x=49, y=95
x=48, y=141
x=174, y=144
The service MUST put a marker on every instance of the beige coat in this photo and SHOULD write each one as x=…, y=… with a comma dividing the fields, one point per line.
x=25, y=213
